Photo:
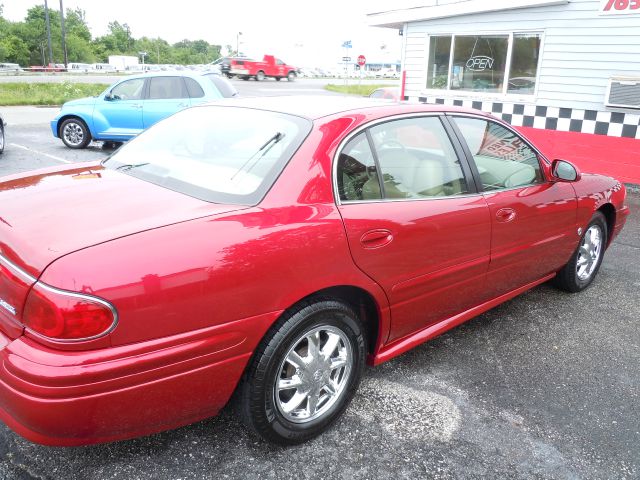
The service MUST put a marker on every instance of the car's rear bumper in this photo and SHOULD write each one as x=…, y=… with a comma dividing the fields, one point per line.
x=78, y=398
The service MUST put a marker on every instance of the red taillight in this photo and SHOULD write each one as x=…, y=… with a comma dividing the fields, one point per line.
x=62, y=315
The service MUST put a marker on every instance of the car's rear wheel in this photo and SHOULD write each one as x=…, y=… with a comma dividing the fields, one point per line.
x=1, y=137
x=291, y=76
x=260, y=76
x=304, y=373
x=585, y=262
x=74, y=133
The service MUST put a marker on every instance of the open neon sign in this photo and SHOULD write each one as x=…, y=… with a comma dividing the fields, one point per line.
x=480, y=63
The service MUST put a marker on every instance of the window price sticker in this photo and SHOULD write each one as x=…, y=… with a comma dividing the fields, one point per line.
x=619, y=7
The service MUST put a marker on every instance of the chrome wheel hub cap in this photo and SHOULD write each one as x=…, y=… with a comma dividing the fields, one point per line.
x=73, y=133
x=589, y=252
x=313, y=374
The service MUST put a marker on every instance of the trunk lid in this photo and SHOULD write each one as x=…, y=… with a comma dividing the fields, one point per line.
x=53, y=212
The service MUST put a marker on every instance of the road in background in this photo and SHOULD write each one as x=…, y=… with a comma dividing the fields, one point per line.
x=543, y=386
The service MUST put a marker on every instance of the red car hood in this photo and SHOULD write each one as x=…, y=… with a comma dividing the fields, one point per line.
x=53, y=212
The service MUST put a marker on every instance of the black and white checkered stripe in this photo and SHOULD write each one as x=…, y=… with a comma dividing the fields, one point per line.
x=612, y=124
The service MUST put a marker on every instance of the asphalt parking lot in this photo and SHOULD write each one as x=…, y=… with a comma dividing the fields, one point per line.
x=544, y=386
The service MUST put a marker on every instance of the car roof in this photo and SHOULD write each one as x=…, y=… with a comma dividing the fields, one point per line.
x=171, y=73
x=315, y=107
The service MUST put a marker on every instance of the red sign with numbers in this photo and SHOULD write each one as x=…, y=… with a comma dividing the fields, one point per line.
x=361, y=60
x=619, y=7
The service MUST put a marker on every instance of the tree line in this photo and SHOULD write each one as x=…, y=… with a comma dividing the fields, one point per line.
x=25, y=42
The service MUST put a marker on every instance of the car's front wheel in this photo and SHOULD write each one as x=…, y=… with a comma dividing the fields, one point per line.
x=304, y=373
x=585, y=262
x=291, y=76
x=74, y=133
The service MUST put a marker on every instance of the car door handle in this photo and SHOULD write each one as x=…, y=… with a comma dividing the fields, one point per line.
x=183, y=104
x=505, y=215
x=136, y=106
x=376, y=238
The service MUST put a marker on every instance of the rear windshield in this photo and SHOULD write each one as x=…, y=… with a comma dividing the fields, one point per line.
x=214, y=153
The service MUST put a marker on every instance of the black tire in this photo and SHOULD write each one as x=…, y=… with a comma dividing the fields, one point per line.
x=260, y=76
x=569, y=277
x=278, y=79
x=260, y=404
x=291, y=76
x=74, y=133
x=2, y=139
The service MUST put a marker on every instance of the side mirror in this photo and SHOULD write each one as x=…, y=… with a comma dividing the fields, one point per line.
x=108, y=97
x=564, y=171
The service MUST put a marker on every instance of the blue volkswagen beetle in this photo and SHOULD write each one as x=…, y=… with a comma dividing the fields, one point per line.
x=134, y=103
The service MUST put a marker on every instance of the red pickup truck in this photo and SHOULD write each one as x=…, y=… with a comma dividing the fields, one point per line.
x=270, y=66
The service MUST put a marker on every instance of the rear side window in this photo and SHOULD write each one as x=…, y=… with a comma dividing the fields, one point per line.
x=194, y=89
x=503, y=159
x=161, y=88
x=357, y=174
x=412, y=158
x=417, y=159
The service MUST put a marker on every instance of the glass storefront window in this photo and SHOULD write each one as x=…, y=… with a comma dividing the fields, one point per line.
x=438, y=67
x=479, y=63
x=524, y=63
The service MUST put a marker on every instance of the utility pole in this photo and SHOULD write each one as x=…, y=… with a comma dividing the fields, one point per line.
x=46, y=18
x=238, y=44
x=64, y=36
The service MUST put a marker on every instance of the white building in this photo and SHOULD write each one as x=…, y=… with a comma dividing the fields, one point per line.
x=566, y=72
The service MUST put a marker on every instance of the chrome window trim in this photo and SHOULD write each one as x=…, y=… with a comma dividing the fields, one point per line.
x=371, y=124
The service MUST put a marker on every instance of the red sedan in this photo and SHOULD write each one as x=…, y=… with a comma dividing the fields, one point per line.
x=271, y=247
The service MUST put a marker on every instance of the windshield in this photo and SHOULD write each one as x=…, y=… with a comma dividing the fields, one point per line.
x=217, y=154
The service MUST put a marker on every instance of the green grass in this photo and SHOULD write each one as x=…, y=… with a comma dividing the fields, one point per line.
x=46, y=93
x=363, y=90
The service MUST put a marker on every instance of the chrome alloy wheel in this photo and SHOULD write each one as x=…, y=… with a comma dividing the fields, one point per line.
x=73, y=133
x=589, y=252
x=313, y=374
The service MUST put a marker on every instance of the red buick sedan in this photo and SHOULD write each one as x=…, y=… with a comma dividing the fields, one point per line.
x=270, y=247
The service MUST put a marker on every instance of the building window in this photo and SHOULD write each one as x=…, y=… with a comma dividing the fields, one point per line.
x=524, y=63
x=479, y=63
x=439, y=55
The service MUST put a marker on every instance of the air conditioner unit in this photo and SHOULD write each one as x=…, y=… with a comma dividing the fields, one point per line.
x=623, y=92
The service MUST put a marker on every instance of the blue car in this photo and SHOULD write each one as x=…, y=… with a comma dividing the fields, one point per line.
x=134, y=103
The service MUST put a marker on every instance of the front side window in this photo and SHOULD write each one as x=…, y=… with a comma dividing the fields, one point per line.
x=502, y=158
x=479, y=63
x=128, y=90
x=214, y=153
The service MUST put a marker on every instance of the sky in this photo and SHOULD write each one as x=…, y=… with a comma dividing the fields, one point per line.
x=299, y=32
